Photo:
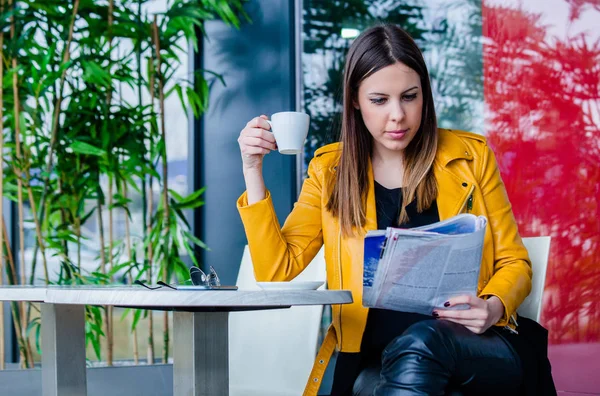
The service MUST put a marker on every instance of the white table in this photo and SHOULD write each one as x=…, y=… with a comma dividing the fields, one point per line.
x=23, y=293
x=200, y=326
x=63, y=341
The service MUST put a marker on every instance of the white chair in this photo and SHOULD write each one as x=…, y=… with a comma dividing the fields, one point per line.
x=271, y=353
x=539, y=250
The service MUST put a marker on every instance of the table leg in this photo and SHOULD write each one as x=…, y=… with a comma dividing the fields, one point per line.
x=200, y=354
x=63, y=344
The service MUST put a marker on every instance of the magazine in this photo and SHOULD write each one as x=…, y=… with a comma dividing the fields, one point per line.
x=418, y=269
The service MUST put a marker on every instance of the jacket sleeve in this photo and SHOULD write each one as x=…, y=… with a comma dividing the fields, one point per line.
x=511, y=281
x=280, y=254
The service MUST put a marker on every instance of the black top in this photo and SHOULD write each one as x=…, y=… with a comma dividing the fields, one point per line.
x=382, y=325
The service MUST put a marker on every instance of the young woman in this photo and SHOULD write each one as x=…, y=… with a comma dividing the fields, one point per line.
x=394, y=167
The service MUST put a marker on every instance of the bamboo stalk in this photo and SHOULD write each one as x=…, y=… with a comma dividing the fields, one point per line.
x=63, y=210
x=12, y=277
x=78, y=231
x=150, y=274
x=109, y=335
x=147, y=213
x=21, y=212
x=40, y=243
x=38, y=229
x=110, y=39
x=136, y=353
x=53, y=94
x=28, y=361
x=15, y=309
x=66, y=57
x=2, y=351
x=109, y=309
x=165, y=190
x=103, y=262
x=150, y=251
x=55, y=119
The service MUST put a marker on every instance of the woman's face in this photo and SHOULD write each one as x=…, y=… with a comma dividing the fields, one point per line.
x=390, y=101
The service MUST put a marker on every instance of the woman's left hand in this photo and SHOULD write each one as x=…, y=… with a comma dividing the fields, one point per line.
x=481, y=315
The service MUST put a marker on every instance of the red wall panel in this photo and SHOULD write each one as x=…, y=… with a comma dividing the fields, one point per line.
x=542, y=100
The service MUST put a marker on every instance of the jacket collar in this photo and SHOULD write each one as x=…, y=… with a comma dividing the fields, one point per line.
x=451, y=147
x=453, y=190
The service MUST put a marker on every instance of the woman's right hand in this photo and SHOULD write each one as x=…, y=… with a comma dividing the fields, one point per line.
x=255, y=142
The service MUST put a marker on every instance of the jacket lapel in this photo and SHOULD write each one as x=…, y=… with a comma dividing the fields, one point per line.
x=453, y=188
x=453, y=192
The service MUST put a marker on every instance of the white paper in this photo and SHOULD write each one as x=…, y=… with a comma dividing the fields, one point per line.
x=418, y=269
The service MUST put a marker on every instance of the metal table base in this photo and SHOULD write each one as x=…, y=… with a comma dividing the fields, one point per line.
x=63, y=358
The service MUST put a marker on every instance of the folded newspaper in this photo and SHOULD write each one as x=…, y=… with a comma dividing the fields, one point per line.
x=418, y=269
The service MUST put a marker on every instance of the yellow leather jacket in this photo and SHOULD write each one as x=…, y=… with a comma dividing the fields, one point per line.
x=468, y=181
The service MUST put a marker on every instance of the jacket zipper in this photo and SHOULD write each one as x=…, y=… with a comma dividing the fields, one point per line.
x=468, y=204
x=512, y=318
x=511, y=329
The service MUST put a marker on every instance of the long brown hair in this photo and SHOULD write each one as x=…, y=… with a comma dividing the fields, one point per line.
x=374, y=49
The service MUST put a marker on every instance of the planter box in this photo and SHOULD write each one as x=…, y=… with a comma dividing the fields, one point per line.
x=154, y=380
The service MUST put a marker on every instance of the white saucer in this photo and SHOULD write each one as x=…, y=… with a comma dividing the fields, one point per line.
x=294, y=285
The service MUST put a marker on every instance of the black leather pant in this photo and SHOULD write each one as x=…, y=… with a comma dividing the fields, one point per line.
x=438, y=357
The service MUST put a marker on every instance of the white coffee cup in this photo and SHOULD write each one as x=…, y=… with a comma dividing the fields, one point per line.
x=290, y=129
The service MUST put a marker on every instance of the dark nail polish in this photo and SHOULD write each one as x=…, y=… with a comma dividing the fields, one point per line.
x=435, y=314
x=447, y=304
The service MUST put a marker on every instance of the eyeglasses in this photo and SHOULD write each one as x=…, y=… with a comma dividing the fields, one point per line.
x=199, y=279
x=161, y=283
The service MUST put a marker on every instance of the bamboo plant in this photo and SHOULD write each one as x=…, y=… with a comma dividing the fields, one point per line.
x=77, y=152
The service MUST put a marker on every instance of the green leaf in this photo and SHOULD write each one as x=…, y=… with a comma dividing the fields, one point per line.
x=195, y=240
x=125, y=313
x=191, y=254
x=88, y=215
x=118, y=268
x=192, y=201
x=136, y=318
x=95, y=74
x=84, y=148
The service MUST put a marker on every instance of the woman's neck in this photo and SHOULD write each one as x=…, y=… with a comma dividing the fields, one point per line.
x=388, y=168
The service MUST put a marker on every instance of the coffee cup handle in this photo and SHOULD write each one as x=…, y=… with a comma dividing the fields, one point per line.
x=270, y=125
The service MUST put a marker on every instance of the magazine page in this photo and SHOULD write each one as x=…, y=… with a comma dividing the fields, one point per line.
x=374, y=244
x=418, y=270
x=461, y=224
